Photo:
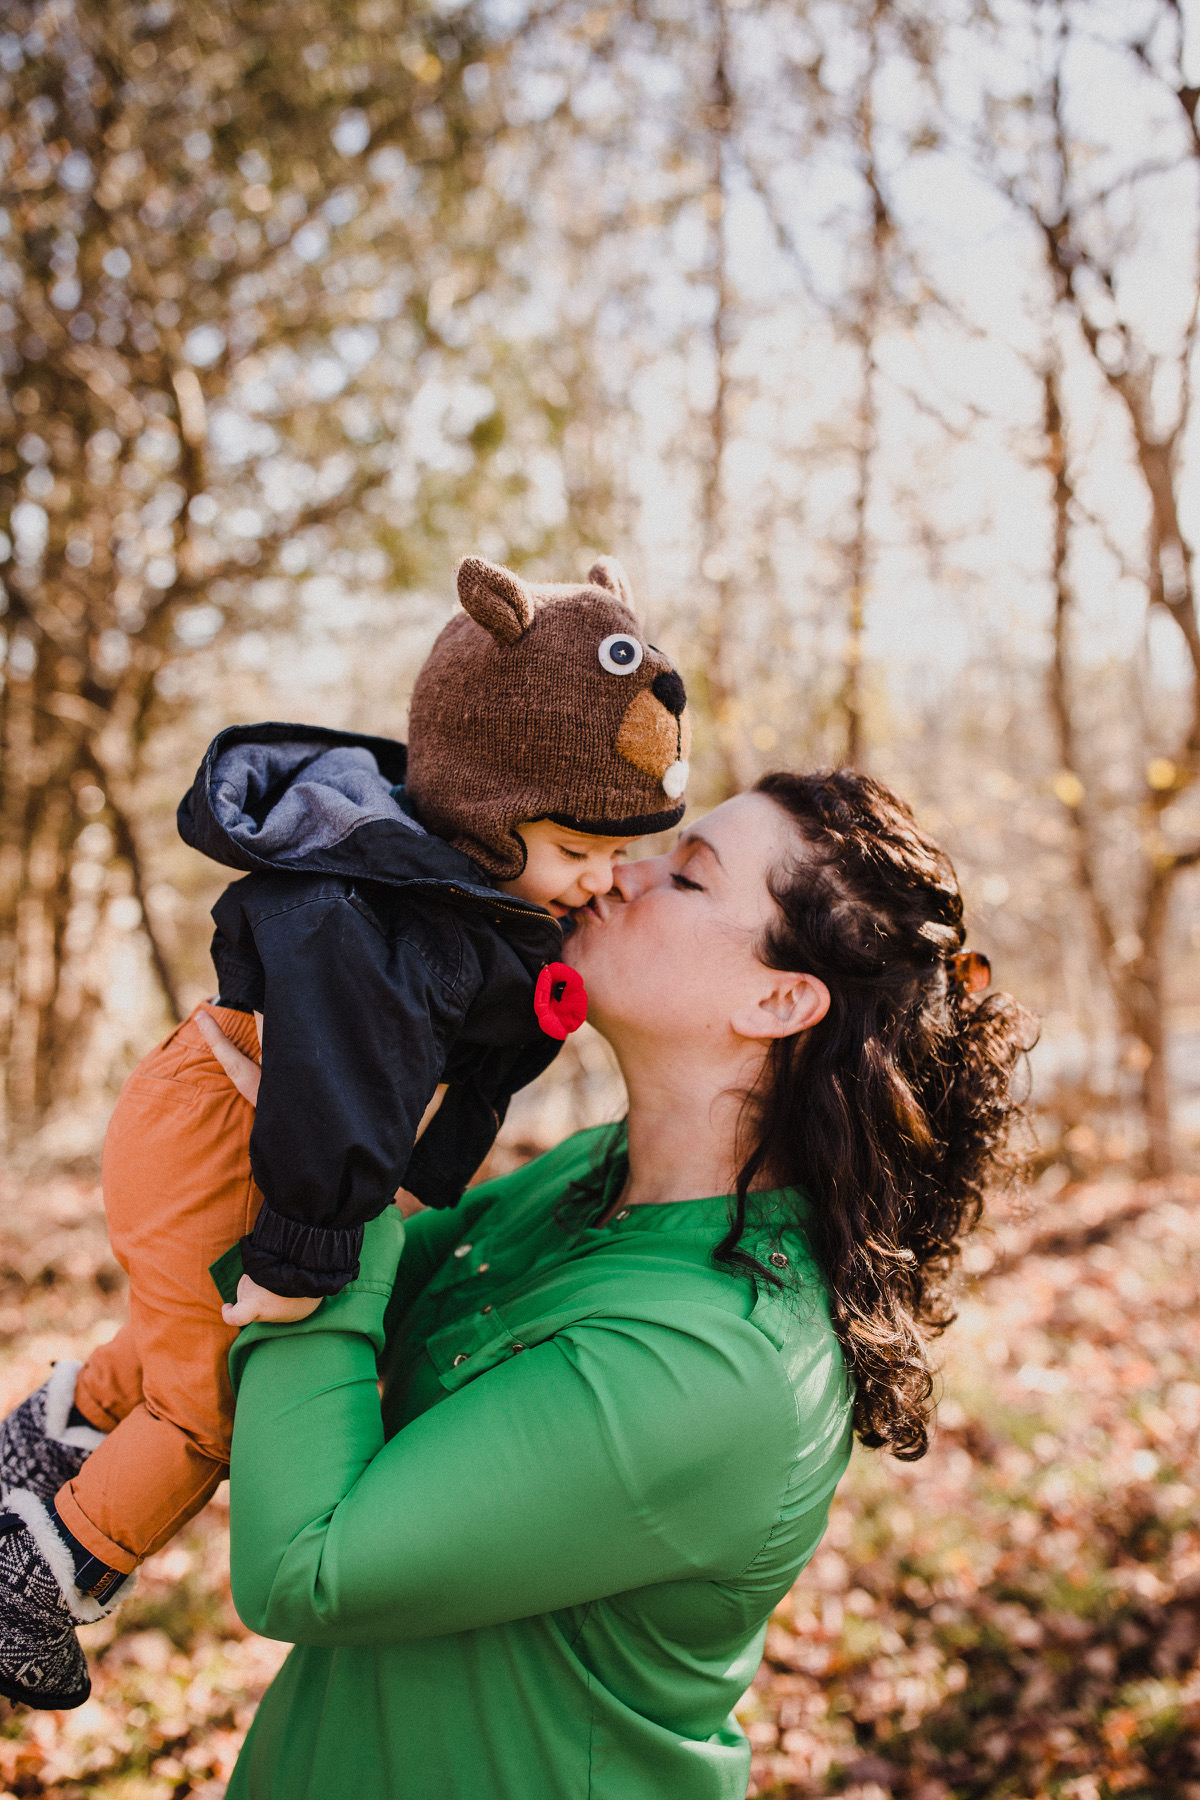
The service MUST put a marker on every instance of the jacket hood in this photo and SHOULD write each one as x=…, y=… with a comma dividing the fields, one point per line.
x=308, y=800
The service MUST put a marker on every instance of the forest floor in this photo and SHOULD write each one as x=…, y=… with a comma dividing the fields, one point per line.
x=1015, y=1617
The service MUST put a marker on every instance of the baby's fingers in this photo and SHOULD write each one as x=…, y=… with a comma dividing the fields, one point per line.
x=242, y=1312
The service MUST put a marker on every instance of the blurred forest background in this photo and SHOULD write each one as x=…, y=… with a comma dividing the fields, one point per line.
x=864, y=332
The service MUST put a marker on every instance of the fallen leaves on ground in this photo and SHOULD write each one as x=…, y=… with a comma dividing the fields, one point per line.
x=1016, y=1617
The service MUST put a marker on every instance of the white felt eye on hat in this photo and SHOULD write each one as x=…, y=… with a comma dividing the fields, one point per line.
x=620, y=654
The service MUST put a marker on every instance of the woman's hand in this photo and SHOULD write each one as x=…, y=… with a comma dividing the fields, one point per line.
x=254, y=1302
x=242, y=1070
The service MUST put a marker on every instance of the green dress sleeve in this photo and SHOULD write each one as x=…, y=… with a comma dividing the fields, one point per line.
x=619, y=1453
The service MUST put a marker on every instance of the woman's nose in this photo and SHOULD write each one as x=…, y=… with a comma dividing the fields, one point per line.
x=633, y=878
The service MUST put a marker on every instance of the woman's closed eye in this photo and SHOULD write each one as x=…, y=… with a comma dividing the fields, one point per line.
x=681, y=881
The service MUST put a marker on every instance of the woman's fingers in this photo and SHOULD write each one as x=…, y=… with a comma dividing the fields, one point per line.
x=243, y=1071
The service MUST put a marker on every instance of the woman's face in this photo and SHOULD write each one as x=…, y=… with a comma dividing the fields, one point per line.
x=669, y=952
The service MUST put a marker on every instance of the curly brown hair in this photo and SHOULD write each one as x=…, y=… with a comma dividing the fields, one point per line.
x=894, y=1113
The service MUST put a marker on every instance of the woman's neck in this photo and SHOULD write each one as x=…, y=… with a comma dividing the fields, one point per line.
x=682, y=1127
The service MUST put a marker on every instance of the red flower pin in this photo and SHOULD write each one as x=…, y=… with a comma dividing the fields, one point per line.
x=559, y=1000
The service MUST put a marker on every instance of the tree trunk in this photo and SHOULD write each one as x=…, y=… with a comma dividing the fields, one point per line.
x=39, y=824
x=858, y=557
x=722, y=647
x=1138, y=987
x=1083, y=269
x=128, y=850
x=865, y=330
x=1147, y=1000
x=47, y=753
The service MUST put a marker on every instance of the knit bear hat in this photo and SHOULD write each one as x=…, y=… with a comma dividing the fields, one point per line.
x=545, y=702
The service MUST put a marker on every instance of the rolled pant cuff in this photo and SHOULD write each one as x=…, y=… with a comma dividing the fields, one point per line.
x=81, y=1527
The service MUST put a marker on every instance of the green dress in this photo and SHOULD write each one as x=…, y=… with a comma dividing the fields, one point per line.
x=543, y=1570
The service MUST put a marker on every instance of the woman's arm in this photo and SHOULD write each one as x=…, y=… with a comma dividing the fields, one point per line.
x=618, y=1454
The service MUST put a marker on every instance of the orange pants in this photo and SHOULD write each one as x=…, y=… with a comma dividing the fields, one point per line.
x=178, y=1192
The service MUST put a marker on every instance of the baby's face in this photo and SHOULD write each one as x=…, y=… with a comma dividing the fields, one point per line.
x=564, y=868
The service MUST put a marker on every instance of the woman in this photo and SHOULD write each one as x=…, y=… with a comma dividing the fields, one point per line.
x=616, y=1407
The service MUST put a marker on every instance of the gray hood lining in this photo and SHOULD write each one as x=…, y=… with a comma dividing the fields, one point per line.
x=320, y=800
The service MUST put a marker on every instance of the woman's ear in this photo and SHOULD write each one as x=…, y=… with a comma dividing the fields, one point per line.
x=790, y=1004
x=495, y=598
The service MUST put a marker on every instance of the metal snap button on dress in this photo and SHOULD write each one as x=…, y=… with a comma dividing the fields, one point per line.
x=483, y=1268
x=460, y=1358
x=462, y=1250
x=624, y=1213
x=778, y=1258
x=487, y=1309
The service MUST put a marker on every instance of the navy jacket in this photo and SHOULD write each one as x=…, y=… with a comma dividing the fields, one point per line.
x=384, y=962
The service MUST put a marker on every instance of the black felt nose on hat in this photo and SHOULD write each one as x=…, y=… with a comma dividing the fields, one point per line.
x=670, y=690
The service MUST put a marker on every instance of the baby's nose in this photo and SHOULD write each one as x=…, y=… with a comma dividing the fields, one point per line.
x=668, y=687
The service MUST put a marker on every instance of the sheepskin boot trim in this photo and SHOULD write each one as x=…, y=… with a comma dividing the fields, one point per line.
x=40, y=1449
x=50, y=1538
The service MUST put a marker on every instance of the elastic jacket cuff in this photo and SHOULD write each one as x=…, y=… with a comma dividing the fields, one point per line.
x=302, y=1261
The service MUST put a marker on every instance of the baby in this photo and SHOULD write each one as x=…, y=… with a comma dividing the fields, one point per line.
x=397, y=926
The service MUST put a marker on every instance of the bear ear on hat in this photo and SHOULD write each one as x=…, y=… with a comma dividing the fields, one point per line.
x=495, y=598
x=606, y=572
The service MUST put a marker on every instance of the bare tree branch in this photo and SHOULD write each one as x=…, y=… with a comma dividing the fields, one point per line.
x=128, y=851
x=1076, y=803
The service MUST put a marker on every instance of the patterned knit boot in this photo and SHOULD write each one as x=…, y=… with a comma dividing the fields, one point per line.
x=39, y=1447
x=41, y=1662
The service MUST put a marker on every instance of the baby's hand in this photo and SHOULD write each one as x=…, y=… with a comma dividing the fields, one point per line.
x=242, y=1070
x=254, y=1302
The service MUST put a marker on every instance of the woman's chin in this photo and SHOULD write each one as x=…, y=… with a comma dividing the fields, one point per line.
x=578, y=933
x=571, y=945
